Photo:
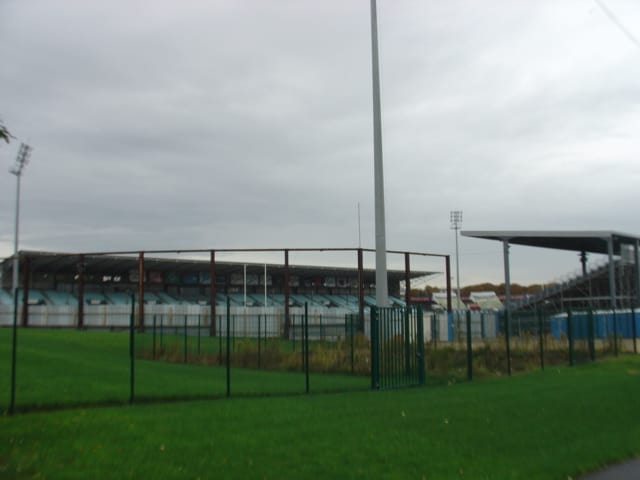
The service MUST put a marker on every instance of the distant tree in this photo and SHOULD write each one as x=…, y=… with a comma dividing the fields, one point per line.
x=427, y=290
x=4, y=133
x=499, y=289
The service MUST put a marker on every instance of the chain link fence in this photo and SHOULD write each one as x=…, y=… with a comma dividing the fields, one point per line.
x=185, y=354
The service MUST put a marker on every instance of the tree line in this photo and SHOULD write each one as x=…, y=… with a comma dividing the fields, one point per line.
x=499, y=289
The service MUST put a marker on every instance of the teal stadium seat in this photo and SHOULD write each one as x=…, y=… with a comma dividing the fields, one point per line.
x=118, y=298
x=60, y=298
x=5, y=297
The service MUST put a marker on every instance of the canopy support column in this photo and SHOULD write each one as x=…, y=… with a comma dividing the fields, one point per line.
x=507, y=275
x=637, y=261
x=612, y=273
x=212, y=293
x=287, y=293
x=447, y=268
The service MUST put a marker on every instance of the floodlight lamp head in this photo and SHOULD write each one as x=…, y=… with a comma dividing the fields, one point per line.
x=455, y=218
x=21, y=160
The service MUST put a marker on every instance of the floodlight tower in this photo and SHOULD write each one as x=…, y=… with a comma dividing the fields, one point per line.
x=21, y=161
x=456, y=222
x=382, y=294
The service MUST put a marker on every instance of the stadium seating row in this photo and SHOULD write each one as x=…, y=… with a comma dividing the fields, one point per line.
x=54, y=297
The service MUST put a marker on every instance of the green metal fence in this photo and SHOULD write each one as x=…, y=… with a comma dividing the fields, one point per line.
x=174, y=358
x=472, y=345
x=177, y=358
x=397, y=347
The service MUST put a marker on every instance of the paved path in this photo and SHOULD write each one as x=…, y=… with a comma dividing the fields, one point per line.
x=629, y=470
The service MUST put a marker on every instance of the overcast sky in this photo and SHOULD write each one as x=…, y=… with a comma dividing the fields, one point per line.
x=248, y=123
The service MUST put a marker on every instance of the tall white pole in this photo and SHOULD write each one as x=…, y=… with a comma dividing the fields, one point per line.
x=265, y=285
x=612, y=274
x=382, y=295
x=507, y=275
x=245, y=285
x=21, y=161
x=359, y=230
x=16, y=262
x=458, y=273
x=636, y=247
x=456, y=221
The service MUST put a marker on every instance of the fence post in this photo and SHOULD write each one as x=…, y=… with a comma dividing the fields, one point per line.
x=615, y=333
x=198, y=334
x=434, y=330
x=185, y=339
x=259, y=338
x=351, y=322
x=541, y=338
x=302, y=344
x=292, y=329
x=407, y=354
x=132, y=349
x=570, y=335
x=375, y=380
x=306, y=346
x=233, y=325
x=592, y=344
x=396, y=326
x=469, y=348
x=228, y=347
x=153, y=355
x=634, y=328
x=14, y=345
x=421, y=367
x=507, y=339
x=161, y=332
x=387, y=352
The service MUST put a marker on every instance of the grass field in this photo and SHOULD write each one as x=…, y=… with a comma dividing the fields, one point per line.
x=65, y=367
x=552, y=424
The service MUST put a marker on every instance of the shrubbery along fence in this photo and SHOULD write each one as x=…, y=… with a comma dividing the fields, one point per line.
x=175, y=356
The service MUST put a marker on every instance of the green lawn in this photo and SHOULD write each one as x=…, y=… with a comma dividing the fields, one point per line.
x=552, y=424
x=67, y=367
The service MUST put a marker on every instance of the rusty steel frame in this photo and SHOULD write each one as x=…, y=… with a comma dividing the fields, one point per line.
x=287, y=291
x=80, y=291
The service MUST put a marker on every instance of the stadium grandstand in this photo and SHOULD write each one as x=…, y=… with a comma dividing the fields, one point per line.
x=486, y=300
x=610, y=283
x=442, y=300
x=84, y=284
x=103, y=290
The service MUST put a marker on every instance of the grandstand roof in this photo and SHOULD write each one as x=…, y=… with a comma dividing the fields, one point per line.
x=121, y=264
x=592, y=241
x=486, y=300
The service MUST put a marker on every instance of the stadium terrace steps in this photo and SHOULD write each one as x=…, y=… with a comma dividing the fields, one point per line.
x=90, y=298
x=166, y=298
x=277, y=299
x=118, y=298
x=258, y=300
x=5, y=297
x=486, y=300
x=370, y=301
x=59, y=298
x=397, y=302
x=555, y=289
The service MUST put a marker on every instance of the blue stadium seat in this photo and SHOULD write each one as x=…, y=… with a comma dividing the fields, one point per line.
x=60, y=298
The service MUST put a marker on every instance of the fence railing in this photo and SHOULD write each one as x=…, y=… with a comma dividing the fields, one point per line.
x=176, y=355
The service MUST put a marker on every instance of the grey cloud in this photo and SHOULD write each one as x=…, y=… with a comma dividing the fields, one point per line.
x=249, y=123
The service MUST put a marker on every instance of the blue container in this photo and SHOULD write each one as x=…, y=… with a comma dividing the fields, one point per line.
x=603, y=322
